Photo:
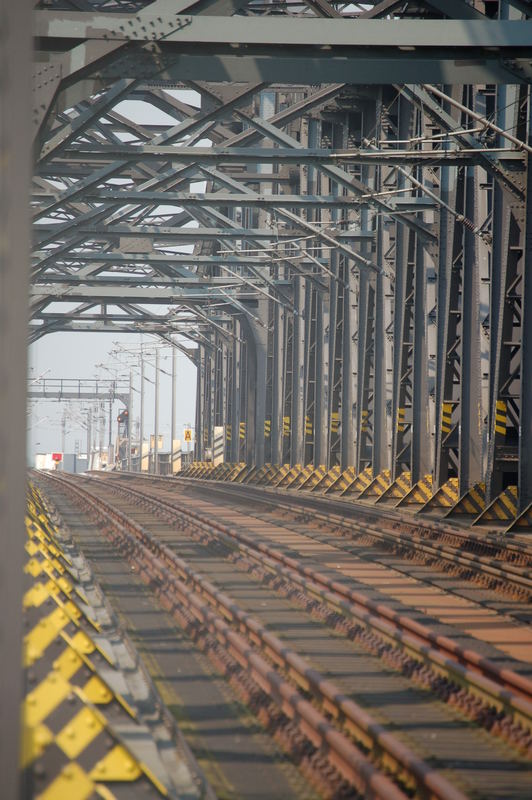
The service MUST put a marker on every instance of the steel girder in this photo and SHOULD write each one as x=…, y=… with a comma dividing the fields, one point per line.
x=356, y=291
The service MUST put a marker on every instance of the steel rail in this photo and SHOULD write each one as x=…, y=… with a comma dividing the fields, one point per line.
x=510, y=573
x=432, y=784
x=502, y=687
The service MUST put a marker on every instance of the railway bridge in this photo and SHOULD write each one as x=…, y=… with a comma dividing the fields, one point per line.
x=324, y=207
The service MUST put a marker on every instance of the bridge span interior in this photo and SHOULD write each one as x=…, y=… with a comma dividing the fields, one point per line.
x=325, y=207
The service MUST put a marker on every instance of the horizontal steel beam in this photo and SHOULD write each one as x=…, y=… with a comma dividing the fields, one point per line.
x=304, y=51
x=176, y=235
x=158, y=258
x=65, y=282
x=136, y=294
x=222, y=198
x=447, y=35
x=60, y=395
x=276, y=155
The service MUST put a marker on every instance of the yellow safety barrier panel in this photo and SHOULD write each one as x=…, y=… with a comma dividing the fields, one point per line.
x=69, y=747
x=278, y=474
x=358, y=484
x=237, y=470
x=251, y=475
x=444, y=497
x=328, y=479
x=503, y=509
x=378, y=485
x=301, y=477
x=314, y=478
x=342, y=481
x=471, y=504
x=268, y=474
x=419, y=494
x=523, y=522
x=397, y=489
x=288, y=476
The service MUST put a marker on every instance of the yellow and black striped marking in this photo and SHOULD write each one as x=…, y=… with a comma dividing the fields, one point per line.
x=335, y=422
x=242, y=431
x=523, y=522
x=328, y=479
x=503, y=509
x=446, y=418
x=361, y=482
x=309, y=428
x=378, y=485
x=289, y=476
x=300, y=477
x=257, y=474
x=68, y=745
x=267, y=428
x=444, y=497
x=314, y=478
x=500, y=417
x=419, y=494
x=237, y=470
x=281, y=473
x=401, y=414
x=228, y=432
x=268, y=474
x=251, y=475
x=286, y=426
x=342, y=481
x=397, y=489
x=471, y=504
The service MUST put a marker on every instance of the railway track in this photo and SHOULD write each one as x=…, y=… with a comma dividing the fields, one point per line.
x=501, y=563
x=359, y=749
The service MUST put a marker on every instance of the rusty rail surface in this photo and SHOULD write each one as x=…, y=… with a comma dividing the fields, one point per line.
x=406, y=532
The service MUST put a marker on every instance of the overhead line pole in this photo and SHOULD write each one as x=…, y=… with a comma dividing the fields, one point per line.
x=156, y=422
x=172, y=432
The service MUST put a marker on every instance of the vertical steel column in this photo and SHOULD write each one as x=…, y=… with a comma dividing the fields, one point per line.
x=15, y=159
x=297, y=439
x=470, y=447
x=420, y=442
x=525, y=433
x=211, y=397
x=321, y=404
x=260, y=340
x=236, y=396
x=278, y=379
x=349, y=368
x=447, y=231
x=336, y=290
x=363, y=376
x=224, y=391
x=379, y=460
x=200, y=387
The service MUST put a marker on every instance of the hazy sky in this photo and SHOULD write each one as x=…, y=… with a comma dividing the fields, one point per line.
x=75, y=355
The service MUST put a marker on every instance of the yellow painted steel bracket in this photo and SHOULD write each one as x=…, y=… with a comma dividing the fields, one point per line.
x=70, y=749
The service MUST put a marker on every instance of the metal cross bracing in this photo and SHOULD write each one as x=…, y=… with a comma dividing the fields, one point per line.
x=340, y=248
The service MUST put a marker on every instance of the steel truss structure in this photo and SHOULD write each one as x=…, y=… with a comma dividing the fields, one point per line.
x=339, y=229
